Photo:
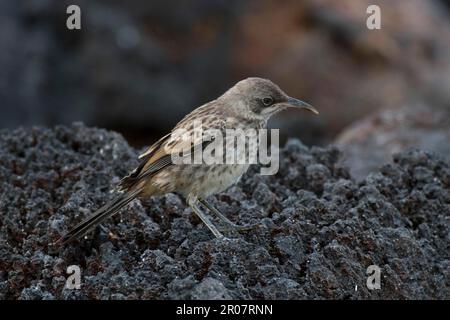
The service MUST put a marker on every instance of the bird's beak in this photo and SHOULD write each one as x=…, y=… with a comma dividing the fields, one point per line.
x=292, y=102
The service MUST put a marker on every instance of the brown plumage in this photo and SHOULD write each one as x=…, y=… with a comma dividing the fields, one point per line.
x=247, y=105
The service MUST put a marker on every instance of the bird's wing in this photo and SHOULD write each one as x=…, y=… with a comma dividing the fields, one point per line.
x=157, y=150
x=154, y=147
x=178, y=142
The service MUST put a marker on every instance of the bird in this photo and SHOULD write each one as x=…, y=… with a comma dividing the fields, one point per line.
x=249, y=104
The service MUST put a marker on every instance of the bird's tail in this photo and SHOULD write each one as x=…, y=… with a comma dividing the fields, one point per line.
x=99, y=216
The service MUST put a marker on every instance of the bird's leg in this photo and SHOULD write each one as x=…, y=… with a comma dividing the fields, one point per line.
x=193, y=204
x=230, y=224
x=217, y=213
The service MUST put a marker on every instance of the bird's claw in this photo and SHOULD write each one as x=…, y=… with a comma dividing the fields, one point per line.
x=238, y=228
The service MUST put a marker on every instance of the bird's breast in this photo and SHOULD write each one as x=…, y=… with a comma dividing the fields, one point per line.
x=209, y=180
x=199, y=180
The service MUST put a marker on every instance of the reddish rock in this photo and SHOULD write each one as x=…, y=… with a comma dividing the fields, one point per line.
x=369, y=143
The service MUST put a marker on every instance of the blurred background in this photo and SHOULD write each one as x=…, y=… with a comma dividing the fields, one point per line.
x=139, y=66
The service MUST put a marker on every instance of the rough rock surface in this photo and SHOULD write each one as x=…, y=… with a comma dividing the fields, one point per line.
x=321, y=229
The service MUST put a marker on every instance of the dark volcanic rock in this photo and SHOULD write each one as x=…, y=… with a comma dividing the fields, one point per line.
x=321, y=229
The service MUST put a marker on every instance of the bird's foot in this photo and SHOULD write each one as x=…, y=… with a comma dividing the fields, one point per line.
x=237, y=228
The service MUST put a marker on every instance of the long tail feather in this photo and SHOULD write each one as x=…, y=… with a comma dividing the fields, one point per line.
x=99, y=216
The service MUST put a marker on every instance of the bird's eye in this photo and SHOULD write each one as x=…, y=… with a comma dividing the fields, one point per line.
x=267, y=101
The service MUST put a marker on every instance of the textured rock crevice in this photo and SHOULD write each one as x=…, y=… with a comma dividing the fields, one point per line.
x=321, y=228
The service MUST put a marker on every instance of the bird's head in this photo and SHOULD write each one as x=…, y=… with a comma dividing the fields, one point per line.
x=258, y=98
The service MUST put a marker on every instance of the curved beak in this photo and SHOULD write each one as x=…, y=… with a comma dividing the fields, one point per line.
x=292, y=102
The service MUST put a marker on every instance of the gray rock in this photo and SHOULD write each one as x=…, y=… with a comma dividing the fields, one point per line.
x=210, y=289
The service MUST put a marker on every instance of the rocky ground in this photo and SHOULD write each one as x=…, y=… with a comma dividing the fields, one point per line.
x=321, y=229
